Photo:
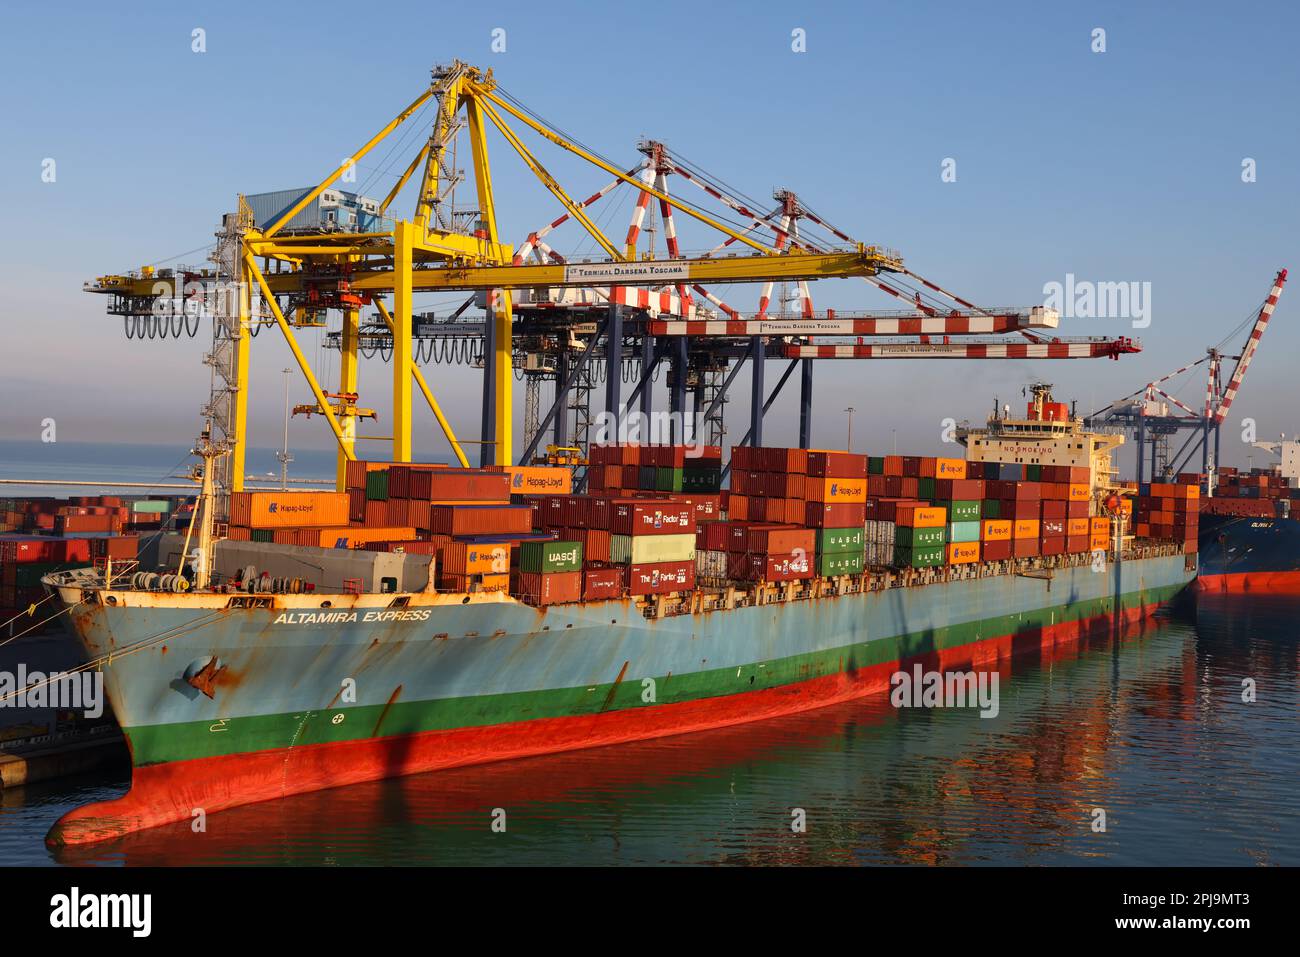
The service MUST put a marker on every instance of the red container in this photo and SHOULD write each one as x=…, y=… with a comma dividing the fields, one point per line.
x=1051, y=528
x=958, y=490
x=819, y=515
x=991, y=551
x=1052, y=545
x=738, y=507
x=661, y=577
x=1019, y=510
x=456, y=485
x=777, y=568
x=1054, y=509
x=708, y=507
x=652, y=517
x=1076, y=509
x=480, y=519
x=713, y=536
x=1025, y=547
x=1077, y=543
x=823, y=464
x=599, y=584
x=553, y=588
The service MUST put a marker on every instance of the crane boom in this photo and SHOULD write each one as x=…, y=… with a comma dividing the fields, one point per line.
x=1252, y=344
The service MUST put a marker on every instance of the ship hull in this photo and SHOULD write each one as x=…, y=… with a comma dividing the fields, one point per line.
x=446, y=690
x=1249, y=555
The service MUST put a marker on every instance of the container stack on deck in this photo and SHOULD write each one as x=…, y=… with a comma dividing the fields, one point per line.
x=39, y=535
x=1169, y=511
x=1253, y=494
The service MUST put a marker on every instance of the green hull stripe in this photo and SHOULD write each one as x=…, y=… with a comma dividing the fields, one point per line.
x=155, y=744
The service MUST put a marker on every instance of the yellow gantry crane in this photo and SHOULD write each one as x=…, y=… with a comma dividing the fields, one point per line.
x=344, y=270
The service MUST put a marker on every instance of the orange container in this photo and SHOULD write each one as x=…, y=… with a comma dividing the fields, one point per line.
x=1080, y=492
x=1100, y=525
x=962, y=553
x=996, y=530
x=468, y=558
x=836, y=491
x=922, y=516
x=950, y=468
x=1025, y=528
x=539, y=480
x=288, y=509
x=1078, y=526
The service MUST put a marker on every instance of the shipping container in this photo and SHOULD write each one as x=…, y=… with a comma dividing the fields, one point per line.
x=550, y=557
x=830, y=564
x=652, y=549
x=661, y=577
x=288, y=509
x=552, y=588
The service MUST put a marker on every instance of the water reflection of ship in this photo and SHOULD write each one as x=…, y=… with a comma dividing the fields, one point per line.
x=726, y=796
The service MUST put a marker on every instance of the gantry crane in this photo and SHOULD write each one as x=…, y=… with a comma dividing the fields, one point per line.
x=284, y=275
x=1146, y=413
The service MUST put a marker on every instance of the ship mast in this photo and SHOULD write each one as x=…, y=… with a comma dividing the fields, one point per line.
x=205, y=507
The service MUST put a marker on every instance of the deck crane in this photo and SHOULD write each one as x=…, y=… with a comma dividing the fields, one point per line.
x=271, y=270
x=1147, y=416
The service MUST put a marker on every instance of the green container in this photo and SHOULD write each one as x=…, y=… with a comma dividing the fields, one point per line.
x=668, y=480
x=875, y=465
x=834, y=540
x=908, y=537
x=992, y=509
x=546, y=557
x=151, y=507
x=841, y=563
x=705, y=481
x=925, y=489
x=262, y=535
x=1033, y=473
x=377, y=485
x=928, y=557
x=964, y=531
x=962, y=511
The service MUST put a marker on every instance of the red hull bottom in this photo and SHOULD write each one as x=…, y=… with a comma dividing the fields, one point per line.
x=1271, y=583
x=166, y=793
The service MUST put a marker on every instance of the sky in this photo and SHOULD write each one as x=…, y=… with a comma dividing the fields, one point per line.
x=1124, y=165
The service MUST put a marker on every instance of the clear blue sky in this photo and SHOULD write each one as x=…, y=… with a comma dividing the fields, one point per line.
x=1115, y=166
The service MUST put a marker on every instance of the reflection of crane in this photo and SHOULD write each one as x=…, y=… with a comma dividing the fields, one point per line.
x=1146, y=414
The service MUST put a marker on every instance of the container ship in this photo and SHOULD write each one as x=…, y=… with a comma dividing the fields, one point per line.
x=1250, y=539
x=430, y=617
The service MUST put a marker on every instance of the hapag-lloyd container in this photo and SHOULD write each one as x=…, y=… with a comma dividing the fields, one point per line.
x=473, y=558
x=836, y=491
x=651, y=549
x=288, y=509
x=539, y=480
